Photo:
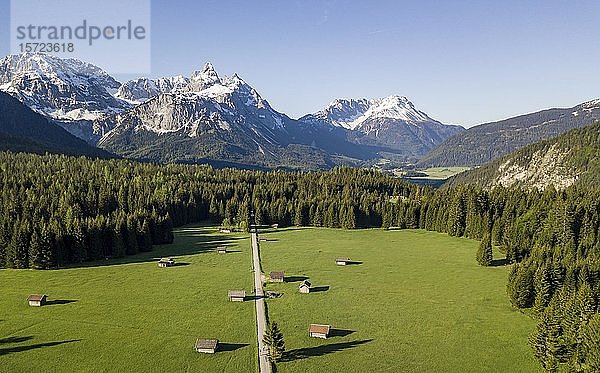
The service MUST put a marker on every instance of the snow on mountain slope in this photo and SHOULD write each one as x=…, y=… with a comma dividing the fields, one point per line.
x=142, y=89
x=392, y=122
x=207, y=105
x=63, y=89
x=350, y=113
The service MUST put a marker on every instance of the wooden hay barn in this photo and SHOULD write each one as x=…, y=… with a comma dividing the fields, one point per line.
x=277, y=276
x=304, y=287
x=319, y=331
x=207, y=346
x=37, y=300
x=236, y=295
x=342, y=261
x=166, y=262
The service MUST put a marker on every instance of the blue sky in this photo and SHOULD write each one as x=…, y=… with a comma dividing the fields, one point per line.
x=462, y=62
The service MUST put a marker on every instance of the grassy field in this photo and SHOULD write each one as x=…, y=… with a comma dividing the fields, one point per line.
x=417, y=303
x=129, y=315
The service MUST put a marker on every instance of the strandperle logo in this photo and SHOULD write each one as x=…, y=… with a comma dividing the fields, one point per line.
x=113, y=34
x=85, y=31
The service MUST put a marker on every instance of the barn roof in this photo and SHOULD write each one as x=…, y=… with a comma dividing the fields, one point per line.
x=36, y=297
x=277, y=274
x=305, y=283
x=237, y=293
x=342, y=259
x=209, y=344
x=318, y=328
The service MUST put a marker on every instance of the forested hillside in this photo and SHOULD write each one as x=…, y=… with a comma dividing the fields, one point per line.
x=565, y=160
x=480, y=144
x=59, y=210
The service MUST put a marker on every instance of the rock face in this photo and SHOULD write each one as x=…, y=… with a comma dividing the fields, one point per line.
x=480, y=144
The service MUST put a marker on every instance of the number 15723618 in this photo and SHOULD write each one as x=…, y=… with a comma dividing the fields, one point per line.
x=47, y=47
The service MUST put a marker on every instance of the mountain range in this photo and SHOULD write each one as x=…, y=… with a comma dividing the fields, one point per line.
x=208, y=118
x=222, y=120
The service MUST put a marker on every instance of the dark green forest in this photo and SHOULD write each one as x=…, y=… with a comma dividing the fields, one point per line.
x=59, y=211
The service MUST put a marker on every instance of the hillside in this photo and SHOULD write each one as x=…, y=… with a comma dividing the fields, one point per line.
x=561, y=162
x=480, y=144
x=22, y=130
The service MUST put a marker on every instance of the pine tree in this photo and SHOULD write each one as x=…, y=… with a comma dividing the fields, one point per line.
x=273, y=339
x=484, y=253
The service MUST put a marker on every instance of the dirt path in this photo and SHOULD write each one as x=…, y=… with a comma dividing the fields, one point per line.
x=261, y=318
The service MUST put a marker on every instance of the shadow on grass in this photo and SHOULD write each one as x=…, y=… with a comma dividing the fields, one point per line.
x=15, y=349
x=499, y=262
x=181, y=264
x=308, y=352
x=340, y=332
x=354, y=263
x=227, y=347
x=56, y=302
x=188, y=240
x=253, y=297
x=15, y=339
x=319, y=289
x=295, y=278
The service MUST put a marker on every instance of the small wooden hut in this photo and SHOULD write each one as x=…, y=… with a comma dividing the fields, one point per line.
x=277, y=276
x=236, y=295
x=166, y=262
x=304, y=287
x=207, y=346
x=319, y=331
x=37, y=300
x=342, y=261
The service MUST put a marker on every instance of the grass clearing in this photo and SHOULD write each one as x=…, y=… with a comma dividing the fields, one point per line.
x=418, y=302
x=129, y=315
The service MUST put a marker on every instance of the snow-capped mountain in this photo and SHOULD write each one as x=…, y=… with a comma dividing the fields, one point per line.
x=204, y=117
x=351, y=113
x=392, y=122
x=208, y=117
x=202, y=102
x=63, y=89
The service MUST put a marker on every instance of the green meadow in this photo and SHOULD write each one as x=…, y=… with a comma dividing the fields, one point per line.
x=129, y=315
x=415, y=301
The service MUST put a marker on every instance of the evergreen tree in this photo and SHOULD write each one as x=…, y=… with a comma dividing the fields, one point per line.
x=273, y=339
x=484, y=253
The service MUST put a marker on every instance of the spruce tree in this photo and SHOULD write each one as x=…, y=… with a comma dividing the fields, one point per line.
x=484, y=253
x=273, y=339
